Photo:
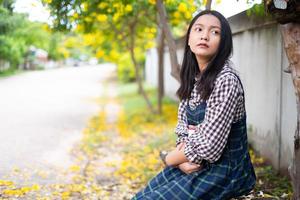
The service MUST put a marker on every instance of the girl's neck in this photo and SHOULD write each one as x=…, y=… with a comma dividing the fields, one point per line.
x=202, y=63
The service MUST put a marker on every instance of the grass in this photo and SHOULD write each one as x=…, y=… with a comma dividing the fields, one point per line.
x=131, y=100
x=9, y=72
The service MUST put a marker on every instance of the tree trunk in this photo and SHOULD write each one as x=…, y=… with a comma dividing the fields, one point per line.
x=175, y=69
x=291, y=38
x=160, y=53
x=137, y=74
x=208, y=4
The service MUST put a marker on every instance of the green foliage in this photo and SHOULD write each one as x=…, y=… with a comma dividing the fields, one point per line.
x=53, y=52
x=10, y=50
x=7, y=4
x=4, y=21
x=271, y=182
x=257, y=9
x=125, y=69
x=61, y=12
x=115, y=29
x=33, y=33
x=9, y=72
x=17, y=34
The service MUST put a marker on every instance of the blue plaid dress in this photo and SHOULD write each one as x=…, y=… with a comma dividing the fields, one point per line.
x=231, y=176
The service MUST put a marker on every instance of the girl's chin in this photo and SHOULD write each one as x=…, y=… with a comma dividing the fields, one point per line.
x=203, y=55
x=202, y=52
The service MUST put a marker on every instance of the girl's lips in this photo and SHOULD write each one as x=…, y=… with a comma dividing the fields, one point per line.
x=202, y=45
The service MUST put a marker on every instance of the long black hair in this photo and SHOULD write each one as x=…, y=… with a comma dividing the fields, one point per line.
x=190, y=69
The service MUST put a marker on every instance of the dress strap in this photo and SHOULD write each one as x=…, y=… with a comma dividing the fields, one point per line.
x=229, y=72
x=234, y=74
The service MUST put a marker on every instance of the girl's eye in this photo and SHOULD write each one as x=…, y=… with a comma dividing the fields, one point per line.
x=215, y=32
x=198, y=29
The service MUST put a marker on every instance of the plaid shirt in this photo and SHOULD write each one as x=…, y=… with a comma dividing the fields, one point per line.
x=224, y=106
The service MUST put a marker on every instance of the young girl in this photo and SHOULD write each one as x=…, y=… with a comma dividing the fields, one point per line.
x=211, y=160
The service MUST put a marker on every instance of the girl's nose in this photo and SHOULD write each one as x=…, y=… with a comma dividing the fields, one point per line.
x=204, y=36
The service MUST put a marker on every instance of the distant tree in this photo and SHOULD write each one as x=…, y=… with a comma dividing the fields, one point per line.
x=17, y=34
x=7, y=4
x=118, y=27
x=164, y=21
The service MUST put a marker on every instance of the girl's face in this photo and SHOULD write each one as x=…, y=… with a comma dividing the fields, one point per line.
x=205, y=37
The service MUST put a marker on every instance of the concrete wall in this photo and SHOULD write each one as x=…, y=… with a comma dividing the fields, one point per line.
x=270, y=100
x=151, y=71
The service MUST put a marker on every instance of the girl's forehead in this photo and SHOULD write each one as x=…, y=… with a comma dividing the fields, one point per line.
x=208, y=20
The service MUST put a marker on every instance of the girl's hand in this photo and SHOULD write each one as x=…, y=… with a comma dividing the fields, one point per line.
x=191, y=127
x=188, y=167
x=176, y=156
x=180, y=146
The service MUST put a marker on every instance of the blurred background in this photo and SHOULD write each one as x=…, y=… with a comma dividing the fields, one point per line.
x=88, y=93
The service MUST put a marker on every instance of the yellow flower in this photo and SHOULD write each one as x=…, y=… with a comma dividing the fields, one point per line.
x=169, y=1
x=101, y=18
x=64, y=52
x=113, y=54
x=75, y=168
x=35, y=187
x=128, y=8
x=153, y=2
x=25, y=189
x=176, y=14
x=75, y=15
x=70, y=42
x=88, y=39
x=116, y=17
x=188, y=15
x=6, y=183
x=79, y=28
x=119, y=37
x=65, y=195
x=116, y=5
x=182, y=7
x=150, y=36
x=153, y=30
x=102, y=5
x=175, y=21
x=84, y=6
x=100, y=53
x=88, y=19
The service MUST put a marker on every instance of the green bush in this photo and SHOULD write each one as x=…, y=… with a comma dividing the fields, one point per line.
x=126, y=72
x=11, y=50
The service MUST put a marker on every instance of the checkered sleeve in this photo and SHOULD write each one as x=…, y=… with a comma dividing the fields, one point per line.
x=181, y=128
x=211, y=136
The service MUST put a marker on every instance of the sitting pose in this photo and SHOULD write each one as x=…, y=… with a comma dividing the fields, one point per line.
x=211, y=160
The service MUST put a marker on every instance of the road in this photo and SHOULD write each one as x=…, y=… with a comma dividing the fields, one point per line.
x=42, y=114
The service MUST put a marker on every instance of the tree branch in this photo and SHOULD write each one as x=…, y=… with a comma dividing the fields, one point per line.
x=208, y=5
x=175, y=69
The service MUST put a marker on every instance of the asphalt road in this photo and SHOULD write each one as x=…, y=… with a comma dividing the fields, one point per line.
x=42, y=114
